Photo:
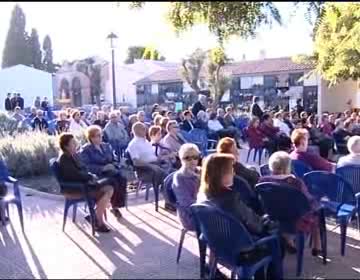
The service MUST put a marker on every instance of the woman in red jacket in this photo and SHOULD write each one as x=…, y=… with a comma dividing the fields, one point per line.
x=257, y=138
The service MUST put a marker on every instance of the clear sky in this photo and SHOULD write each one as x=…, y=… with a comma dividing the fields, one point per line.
x=79, y=30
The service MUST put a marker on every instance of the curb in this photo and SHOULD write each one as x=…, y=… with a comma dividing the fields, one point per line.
x=55, y=197
x=32, y=192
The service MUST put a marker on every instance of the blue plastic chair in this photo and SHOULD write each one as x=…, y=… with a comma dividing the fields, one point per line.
x=299, y=168
x=143, y=182
x=227, y=238
x=171, y=198
x=265, y=170
x=54, y=165
x=351, y=173
x=293, y=206
x=168, y=193
x=340, y=199
x=199, y=137
x=14, y=198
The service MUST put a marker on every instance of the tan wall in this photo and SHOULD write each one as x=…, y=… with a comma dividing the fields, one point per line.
x=69, y=76
x=334, y=99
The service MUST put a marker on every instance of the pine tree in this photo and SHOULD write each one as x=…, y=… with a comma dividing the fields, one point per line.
x=34, y=49
x=16, y=47
x=48, y=64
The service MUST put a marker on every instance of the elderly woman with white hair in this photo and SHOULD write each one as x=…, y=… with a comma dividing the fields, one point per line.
x=353, y=158
x=201, y=120
x=280, y=166
x=186, y=183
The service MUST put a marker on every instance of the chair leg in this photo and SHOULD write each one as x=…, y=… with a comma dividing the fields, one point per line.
x=182, y=237
x=92, y=216
x=213, y=265
x=300, y=242
x=74, y=212
x=260, y=155
x=156, y=193
x=248, y=155
x=255, y=153
x=21, y=217
x=2, y=214
x=323, y=235
x=138, y=188
x=147, y=192
x=66, y=210
x=202, y=253
x=126, y=199
x=343, y=228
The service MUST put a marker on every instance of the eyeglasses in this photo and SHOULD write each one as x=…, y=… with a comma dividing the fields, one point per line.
x=188, y=158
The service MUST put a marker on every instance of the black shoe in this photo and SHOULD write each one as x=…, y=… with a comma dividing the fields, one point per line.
x=103, y=228
x=116, y=212
x=316, y=252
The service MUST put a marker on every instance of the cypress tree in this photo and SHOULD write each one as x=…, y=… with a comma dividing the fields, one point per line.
x=35, y=51
x=16, y=47
x=48, y=63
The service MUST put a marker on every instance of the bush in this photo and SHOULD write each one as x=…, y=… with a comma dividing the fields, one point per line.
x=28, y=154
x=8, y=125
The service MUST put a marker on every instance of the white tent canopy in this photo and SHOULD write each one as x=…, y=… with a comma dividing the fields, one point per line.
x=27, y=81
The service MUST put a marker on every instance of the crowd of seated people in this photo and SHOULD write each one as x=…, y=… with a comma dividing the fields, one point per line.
x=156, y=148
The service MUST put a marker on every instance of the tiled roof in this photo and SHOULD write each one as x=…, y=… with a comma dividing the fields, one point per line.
x=173, y=74
x=282, y=64
x=248, y=67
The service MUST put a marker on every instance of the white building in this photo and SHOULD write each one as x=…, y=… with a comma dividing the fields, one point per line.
x=127, y=74
x=27, y=81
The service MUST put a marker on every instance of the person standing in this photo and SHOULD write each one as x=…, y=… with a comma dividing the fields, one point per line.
x=20, y=101
x=199, y=105
x=299, y=108
x=14, y=102
x=255, y=108
x=8, y=105
x=37, y=102
x=45, y=104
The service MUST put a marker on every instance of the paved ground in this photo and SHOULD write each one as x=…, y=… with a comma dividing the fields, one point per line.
x=142, y=245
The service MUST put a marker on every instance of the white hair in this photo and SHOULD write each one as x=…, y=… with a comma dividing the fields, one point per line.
x=353, y=144
x=280, y=162
x=186, y=148
x=202, y=98
x=201, y=115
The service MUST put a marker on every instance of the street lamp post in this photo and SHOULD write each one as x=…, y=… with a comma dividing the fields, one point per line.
x=112, y=36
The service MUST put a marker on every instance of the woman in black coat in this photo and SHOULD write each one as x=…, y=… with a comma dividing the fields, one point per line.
x=71, y=170
x=255, y=108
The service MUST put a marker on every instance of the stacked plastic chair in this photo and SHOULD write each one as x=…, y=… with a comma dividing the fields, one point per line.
x=14, y=198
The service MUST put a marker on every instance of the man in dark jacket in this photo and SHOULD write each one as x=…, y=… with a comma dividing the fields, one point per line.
x=299, y=108
x=187, y=124
x=20, y=101
x=8, y=105
x=14, y=101
x=199, y=105
x=255, y=108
